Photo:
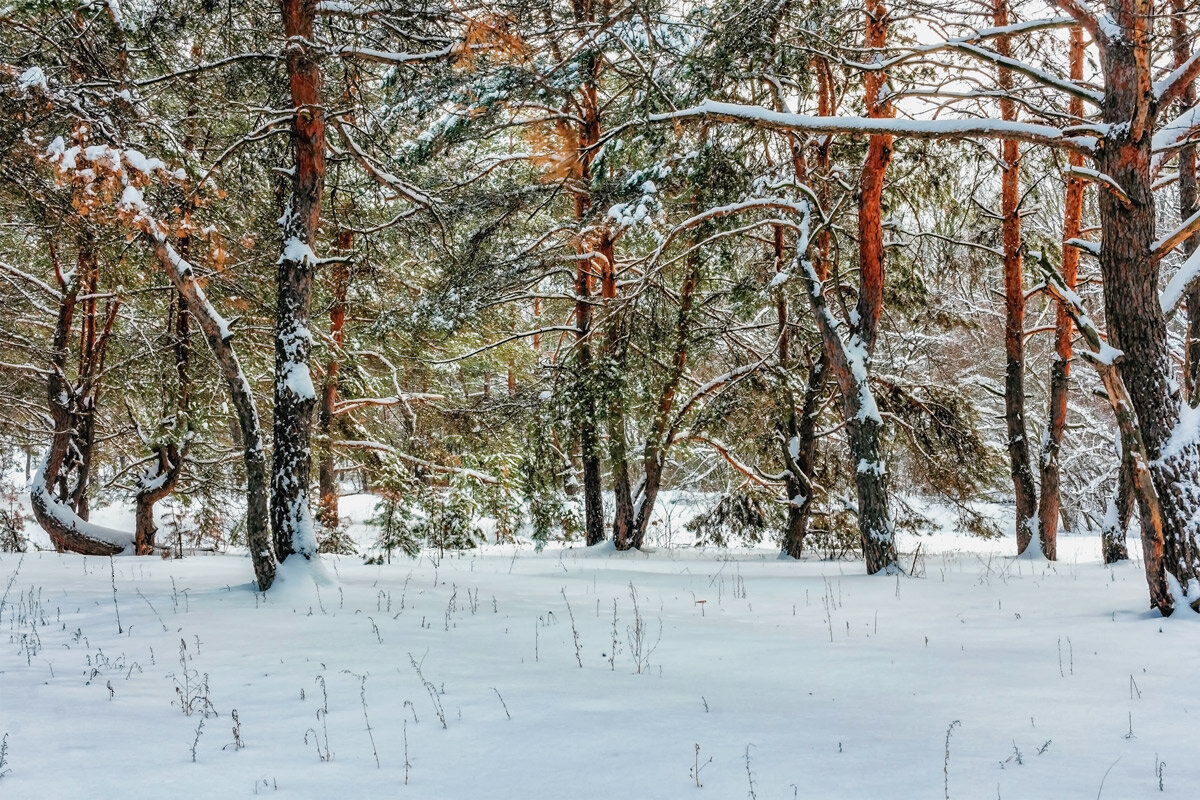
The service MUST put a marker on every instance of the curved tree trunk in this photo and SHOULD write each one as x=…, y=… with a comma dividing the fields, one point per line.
x=67, y=531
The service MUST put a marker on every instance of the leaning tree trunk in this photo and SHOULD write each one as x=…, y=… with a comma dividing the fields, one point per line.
x=295, y=396
x=801, y=457
x=662, y=431
x=1134, y=453
x=864, y=425
x=217, y=334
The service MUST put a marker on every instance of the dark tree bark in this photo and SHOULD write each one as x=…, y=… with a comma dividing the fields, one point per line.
x=585, y=134
x=1120, y=512
x=864, y=425
x=295, y=396
x=168, y=456
x=52, y=512
x=1130, y=268
x=219, y=337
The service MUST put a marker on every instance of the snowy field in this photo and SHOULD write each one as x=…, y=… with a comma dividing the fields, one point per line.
x=507, y=673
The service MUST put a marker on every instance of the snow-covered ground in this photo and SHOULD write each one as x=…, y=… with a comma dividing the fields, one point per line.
x=779, y=679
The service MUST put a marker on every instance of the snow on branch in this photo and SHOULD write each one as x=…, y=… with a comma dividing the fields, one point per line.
x=1165, y=245
x=1170, y=88
x=482, y=477
x=1107, y=181
x=42, y=285
x=68, y=530
x=1029, y=71
x=724, y=451
x=1090, y=23
x=386, y=57
x=1178, y=287
x=1176, y=132
x=853, y=125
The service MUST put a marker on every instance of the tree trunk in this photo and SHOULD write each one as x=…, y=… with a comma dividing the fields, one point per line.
x=295, y=396
x=864, y=425
x=1120, y=512
x=1181, y=39
x=1014, y=306
x=871, y=183
x=167, y=456
x=65, y=528
x=1050, y=500
x=327, y=484
x=1136, y=323
x=217, y=334
x=586, y=135
x=589, y=436
x=662, y=431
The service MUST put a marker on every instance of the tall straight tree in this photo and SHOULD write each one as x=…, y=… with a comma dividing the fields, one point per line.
x=295, y=395
x=1014, y=300
x=1050, y=500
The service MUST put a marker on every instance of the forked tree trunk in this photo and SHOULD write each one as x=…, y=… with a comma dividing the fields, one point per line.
x=295, y=395
x=59, y=392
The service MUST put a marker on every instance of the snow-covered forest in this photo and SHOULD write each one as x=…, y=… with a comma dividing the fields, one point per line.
x=373, y=367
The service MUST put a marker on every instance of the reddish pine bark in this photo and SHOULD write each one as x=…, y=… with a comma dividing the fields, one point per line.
x=1049, y=502
x=871, y=183
x=1014, y=304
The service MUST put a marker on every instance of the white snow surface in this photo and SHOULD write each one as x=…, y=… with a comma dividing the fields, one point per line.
x=839, y=684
